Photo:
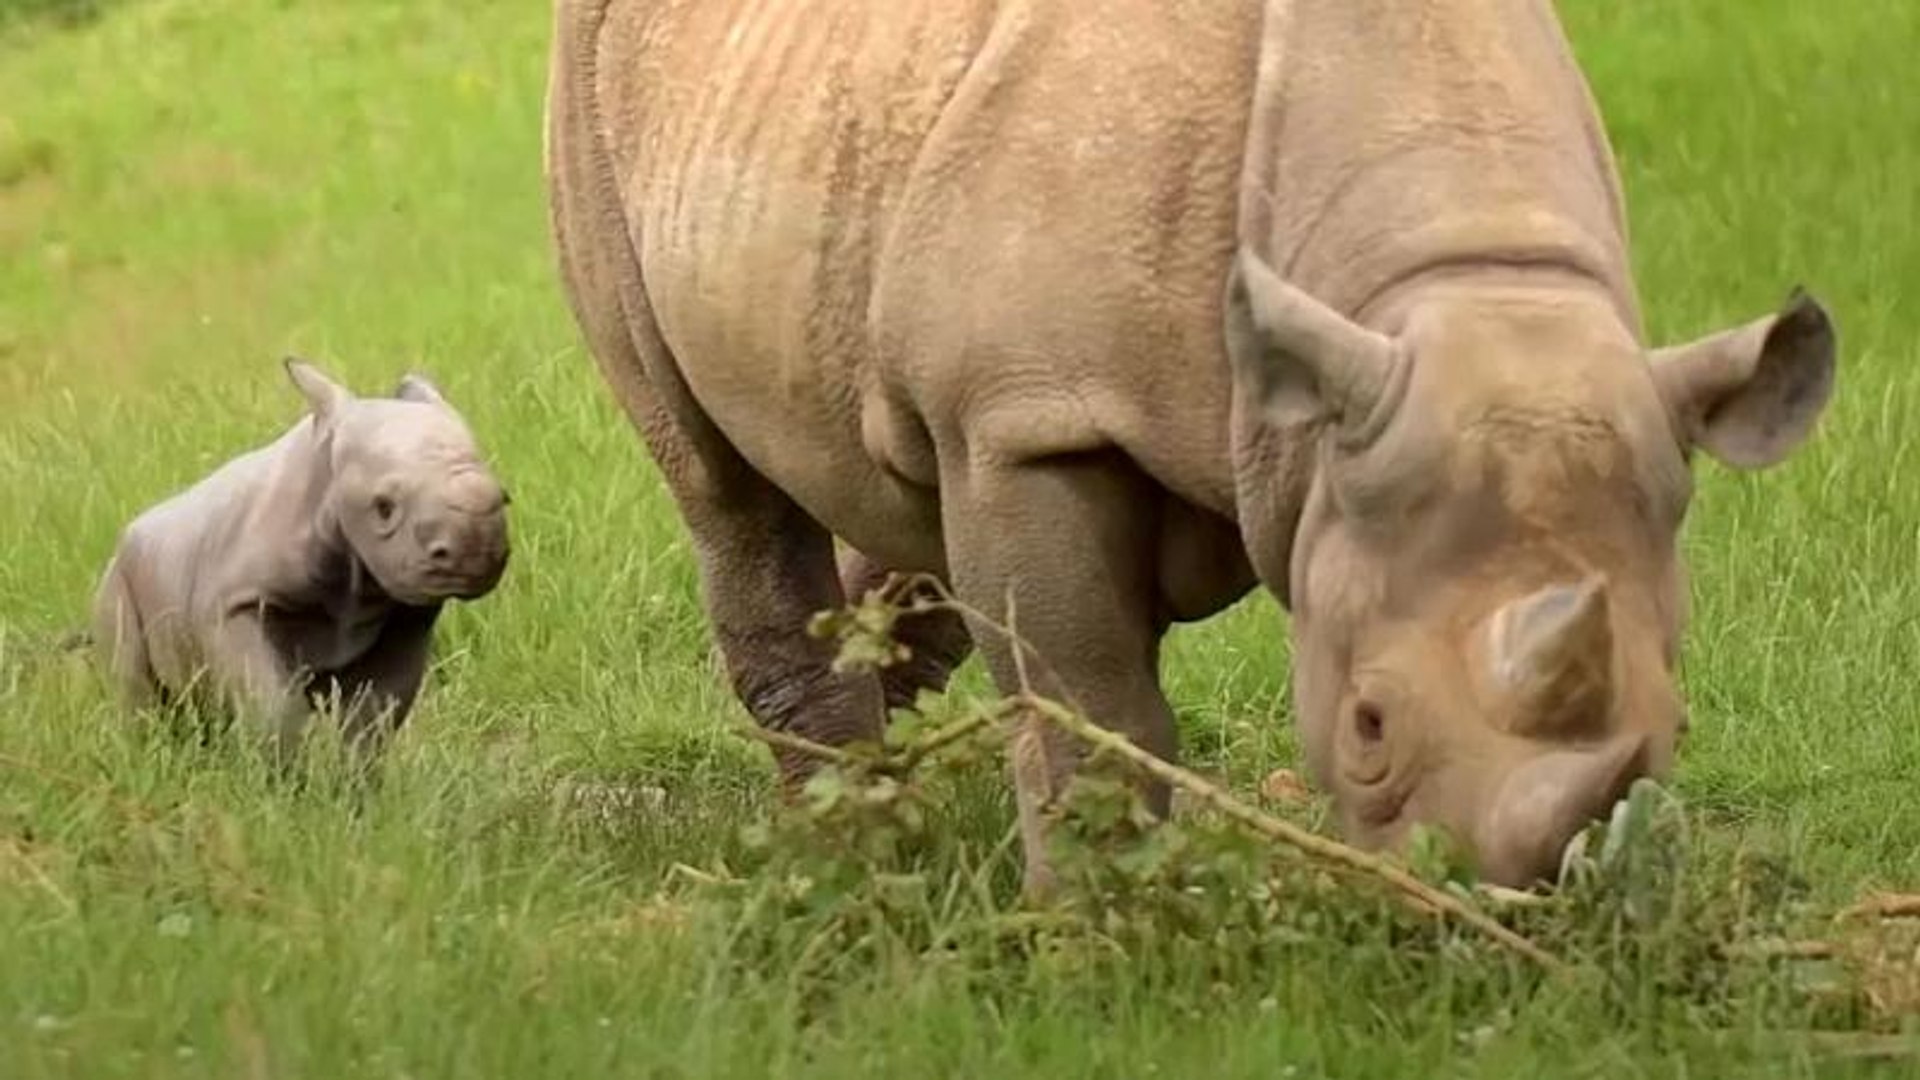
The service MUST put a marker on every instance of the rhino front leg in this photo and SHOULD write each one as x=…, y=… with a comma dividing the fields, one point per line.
x=1067, y=542
x=377, y=691
x=251, y=676
x=938, y=640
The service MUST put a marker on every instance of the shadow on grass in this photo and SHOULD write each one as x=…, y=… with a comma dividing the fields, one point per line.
x=59, y=13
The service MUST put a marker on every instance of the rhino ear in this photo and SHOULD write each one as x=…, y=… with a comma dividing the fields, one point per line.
x=1298, y=358
x=416, y=388
x=325, y=398
x=1750, y=395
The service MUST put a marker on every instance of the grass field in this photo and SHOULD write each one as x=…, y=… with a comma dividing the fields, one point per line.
x=190, y=188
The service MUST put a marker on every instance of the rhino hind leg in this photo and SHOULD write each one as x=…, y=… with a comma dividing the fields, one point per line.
x=937, y=641
x=1062, y=540
x=120, y=640
x=766, y=567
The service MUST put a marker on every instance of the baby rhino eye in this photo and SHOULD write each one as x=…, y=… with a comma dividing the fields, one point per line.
x=383, y=508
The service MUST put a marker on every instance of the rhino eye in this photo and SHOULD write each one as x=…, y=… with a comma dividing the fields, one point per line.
x=1366, y=761
x=1368, y=723
x=383, y=508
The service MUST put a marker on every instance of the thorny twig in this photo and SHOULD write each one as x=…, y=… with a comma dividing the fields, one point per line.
x=1418, y=894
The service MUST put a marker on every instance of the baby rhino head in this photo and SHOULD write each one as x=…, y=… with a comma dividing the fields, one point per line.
x=409, y=489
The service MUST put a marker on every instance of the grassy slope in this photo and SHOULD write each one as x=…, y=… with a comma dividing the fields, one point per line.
x=189, y=189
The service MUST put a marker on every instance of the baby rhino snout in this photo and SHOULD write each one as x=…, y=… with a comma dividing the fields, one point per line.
x=465, y=546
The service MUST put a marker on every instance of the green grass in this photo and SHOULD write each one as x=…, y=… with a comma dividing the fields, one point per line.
x=190, y=188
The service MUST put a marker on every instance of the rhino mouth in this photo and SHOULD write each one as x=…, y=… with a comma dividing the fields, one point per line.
x=469, y=587
x=469, y=582
x=426, y=588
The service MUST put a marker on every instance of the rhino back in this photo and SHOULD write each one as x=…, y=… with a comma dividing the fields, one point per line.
x=1392, y=136
x=885, y=240
x=879, y=237
x=189, y=558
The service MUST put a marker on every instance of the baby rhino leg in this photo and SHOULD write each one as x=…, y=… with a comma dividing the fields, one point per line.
x=121, y=640
x=254, y=678
x=377, y=691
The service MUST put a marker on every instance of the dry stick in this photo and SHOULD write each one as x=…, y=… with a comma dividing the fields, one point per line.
x=1853, y=1045
x=1289, y=834
x=800, y=745
x=1511, y=898
x=1783, y=950
x=1863, y=1045
x=1884, y=906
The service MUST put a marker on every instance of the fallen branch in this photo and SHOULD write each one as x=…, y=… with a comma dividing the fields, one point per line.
x=1848, y=1045
x=1415, y=892
x=1884, y=906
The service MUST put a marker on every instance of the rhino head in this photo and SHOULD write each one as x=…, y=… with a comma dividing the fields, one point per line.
x=1486, y=591
x=408, y=489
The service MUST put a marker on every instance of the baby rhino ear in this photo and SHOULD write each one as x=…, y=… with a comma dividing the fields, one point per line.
x=324, y=396
x=417, y=388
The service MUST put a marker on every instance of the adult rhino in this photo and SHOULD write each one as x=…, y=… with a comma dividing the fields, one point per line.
x=1116, y=307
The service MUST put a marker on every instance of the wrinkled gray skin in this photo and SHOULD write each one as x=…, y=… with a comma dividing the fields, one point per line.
x=314, y=566
x=1116, y=307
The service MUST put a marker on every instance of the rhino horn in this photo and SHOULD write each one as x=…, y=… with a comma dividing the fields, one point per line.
x=1553, y=649
x=1547, y=800
x=1299, y=358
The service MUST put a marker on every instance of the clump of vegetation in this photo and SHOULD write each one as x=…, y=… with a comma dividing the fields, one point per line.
x=855, y=877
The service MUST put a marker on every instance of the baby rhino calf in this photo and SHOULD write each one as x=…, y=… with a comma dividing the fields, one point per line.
x=311, y=567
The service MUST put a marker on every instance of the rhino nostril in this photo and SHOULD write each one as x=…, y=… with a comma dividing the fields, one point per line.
x=440, y=553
